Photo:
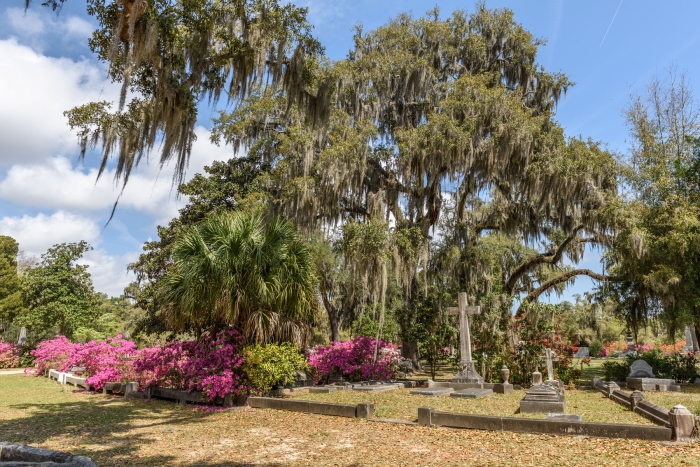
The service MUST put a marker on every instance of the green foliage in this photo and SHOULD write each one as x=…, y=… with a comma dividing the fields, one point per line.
x=425, y=322
x=273, y=366
x=595, y=349
x=655, y=259
x=171, y=56
x=225, y=186
x=116, y=316
x=237, y=269
x=11, y=304
x=368, y=325
x=590, y=318
x=58, y=293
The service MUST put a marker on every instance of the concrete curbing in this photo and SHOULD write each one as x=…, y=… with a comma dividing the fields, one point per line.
x=427, y=416
x=362, y=410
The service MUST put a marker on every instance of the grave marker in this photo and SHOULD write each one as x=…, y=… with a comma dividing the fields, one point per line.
x=550, y=367
x=467, y=372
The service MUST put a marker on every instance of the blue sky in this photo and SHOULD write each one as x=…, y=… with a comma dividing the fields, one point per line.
x=48, y=196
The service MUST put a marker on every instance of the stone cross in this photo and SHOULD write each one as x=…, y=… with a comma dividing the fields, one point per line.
x=467, y=371
x=550, y=367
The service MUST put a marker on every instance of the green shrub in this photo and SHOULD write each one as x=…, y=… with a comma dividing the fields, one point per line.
x=680, y=367
x=272, y=365
x=595, y=349
x=616, y=371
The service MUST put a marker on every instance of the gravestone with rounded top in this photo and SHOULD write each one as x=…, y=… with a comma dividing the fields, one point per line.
x=641, y=369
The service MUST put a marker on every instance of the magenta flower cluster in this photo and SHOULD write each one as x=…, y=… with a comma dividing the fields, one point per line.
x=354, y=359
x=9, y=355
x=54, y=354
x=211, y=365
x=104, y=361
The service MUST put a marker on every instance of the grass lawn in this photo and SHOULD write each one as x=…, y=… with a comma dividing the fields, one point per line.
x=118, y=432
x=591, y=405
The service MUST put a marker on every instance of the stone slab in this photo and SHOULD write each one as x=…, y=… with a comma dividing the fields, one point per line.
x=377, y=388
x=498, y=388
x=472, y=393
x=432, y=391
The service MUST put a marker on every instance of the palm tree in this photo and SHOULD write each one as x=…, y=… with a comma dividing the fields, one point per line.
x=236, y=269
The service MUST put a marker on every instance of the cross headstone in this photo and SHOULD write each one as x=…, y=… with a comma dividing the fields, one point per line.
x=467, y=371
x=550, y=367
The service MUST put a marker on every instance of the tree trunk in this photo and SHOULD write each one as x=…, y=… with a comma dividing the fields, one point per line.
x=409, y=350
x=335, y=327
x=694, y=335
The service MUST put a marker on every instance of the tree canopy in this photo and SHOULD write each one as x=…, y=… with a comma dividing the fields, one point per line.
x=238, y=269
x=58, y=293
x=655, y=256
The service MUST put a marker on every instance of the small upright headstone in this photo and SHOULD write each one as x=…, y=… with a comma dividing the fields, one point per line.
x=22, y=337
x=641, y=369
x=536, y=378
x=688, y=347
x=630, y=341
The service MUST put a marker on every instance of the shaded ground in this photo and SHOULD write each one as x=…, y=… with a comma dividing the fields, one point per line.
x=117, y=432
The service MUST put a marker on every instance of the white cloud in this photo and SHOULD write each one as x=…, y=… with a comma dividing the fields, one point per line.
x=35, y=90
x=56, y=184
x=35, y=234
x=41, y=29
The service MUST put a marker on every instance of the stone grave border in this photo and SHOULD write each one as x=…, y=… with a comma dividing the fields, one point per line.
x=680, y=419
x=428, y=416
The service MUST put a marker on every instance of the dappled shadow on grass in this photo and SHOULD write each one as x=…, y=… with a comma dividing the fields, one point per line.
x=110, y=430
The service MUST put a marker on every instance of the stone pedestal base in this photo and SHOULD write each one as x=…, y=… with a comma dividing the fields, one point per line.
x=652, y=384
x=543, y=398
x=542, y=407
x=467, y=374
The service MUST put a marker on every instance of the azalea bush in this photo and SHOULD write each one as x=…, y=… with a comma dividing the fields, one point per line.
x=272, y=365
x=54, y=354
x=105, y=361
x=9, y=355
x=212, y=365
x=354, y=360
